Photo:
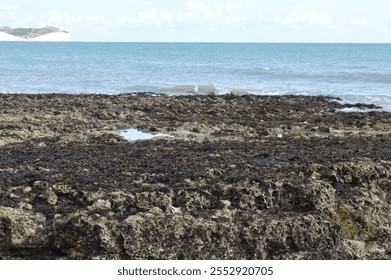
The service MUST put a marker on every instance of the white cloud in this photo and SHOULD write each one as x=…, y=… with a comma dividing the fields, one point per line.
x=231, y=6
x=53, y=16
x=152, y=17
x=307, y=17
x=362, y=21
x=238, y=20
x=200, y=10
x=124, y=20
x=57, y=18
x=313, y=18
x=145, y=17
x=195, y=12
x=10, y=7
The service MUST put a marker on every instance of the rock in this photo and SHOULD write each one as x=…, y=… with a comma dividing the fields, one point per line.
x=86, y=236
x=101, y=204
x=173, y=210
x=52, y=198
x=22, y=232
x=226, y=188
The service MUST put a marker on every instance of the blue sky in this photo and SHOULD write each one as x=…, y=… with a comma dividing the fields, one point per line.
x=207, y=20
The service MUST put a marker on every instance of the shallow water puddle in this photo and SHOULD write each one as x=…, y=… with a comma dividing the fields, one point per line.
x=133, y=134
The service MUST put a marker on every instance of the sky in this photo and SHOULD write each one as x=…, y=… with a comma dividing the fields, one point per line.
x=351, y=21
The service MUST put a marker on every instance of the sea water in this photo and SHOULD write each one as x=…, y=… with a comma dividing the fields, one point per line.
x=352, y=72
x=133, y=134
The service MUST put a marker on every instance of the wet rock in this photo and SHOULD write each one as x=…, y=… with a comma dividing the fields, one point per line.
x=101, y=204
x=175, y=236
x=22, y=232
x=84, y=235
x=224, y=187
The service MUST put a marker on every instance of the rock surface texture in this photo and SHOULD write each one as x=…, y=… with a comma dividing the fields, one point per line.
x=244, y=177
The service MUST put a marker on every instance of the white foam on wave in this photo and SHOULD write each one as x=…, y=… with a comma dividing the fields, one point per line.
x=192, y=89
x=383, y=100
x=356, y=109
x=239, y=92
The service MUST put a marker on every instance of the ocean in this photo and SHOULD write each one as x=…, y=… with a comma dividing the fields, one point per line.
x=353, y=72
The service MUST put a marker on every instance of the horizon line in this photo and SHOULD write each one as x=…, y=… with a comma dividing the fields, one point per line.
x=201, y=42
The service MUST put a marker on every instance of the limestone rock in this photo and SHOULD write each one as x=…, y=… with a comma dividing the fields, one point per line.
x=224, y=187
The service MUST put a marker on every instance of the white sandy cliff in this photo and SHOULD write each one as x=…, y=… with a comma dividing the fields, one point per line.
x=9, y=38
x=47, y=34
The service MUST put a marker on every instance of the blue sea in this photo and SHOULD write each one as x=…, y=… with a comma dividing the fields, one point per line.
x=353, y=72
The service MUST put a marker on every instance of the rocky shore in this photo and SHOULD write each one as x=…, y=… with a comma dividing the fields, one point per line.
x=242, y=177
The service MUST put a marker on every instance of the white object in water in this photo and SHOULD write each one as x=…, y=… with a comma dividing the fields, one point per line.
x=132, y=134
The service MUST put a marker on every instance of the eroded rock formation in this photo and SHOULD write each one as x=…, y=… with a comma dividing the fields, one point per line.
x=244, y=177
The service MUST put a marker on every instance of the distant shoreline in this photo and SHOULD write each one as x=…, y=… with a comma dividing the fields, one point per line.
x=46, y=34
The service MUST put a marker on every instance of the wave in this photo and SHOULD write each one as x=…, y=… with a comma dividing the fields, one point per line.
x=372, y=77
x=192, y=89
x=383, y=100
x=298, y=74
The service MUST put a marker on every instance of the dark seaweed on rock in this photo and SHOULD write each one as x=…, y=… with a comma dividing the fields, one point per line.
x=244, y=177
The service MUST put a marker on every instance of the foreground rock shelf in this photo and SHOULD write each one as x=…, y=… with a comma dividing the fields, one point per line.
x=244, y=177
